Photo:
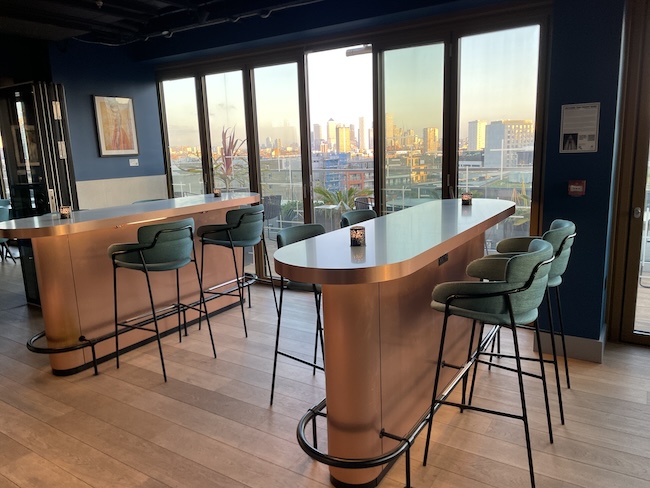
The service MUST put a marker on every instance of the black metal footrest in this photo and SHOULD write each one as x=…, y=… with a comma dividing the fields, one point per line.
x=387, y=458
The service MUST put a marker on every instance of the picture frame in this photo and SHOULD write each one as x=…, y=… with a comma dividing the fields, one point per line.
x=115, y=120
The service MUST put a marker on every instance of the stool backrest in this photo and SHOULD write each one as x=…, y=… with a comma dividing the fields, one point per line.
x=522, y=283
x=246, y=224
x=561, y=235
x=5, y=202
x=298, y=233
x=352, y=217
x=169, y=245
x=530, y=271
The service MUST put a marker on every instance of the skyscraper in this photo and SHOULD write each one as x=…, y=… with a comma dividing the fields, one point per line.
x=430, y=140
x=331, y=133
x=343, y=139
x=363, y=146
x=318, y=135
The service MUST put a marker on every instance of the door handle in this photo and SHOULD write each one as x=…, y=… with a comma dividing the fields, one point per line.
x=637, y=212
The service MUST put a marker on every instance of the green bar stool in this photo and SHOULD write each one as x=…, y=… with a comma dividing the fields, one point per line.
x=161, y=247
x=285, y=237
x=352, y=217
x=509, y=302
x=561, y=234
x=244, y=228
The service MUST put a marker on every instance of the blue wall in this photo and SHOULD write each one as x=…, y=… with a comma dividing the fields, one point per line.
x=585, y=59
x=86, y=70
x=584, y=67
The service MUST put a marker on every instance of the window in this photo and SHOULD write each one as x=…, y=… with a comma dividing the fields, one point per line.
x=413, y=98
x=496, y=121
x=183, y=138
x=227, y=120
x=340, y=112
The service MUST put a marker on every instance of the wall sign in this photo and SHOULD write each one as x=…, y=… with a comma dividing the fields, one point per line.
x=579, y=128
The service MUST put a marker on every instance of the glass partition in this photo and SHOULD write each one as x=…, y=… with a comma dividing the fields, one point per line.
x=183, y=137
x=413, y=97
x=497, y=105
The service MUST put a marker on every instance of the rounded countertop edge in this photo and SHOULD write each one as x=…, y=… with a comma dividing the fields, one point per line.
x=50, y=225
x=389, y=271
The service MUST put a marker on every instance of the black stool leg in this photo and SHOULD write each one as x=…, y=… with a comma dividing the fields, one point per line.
x=268, y=264
x=277, y=338
x=543, y=377
x=559, y=312
x=319, y=328
x=547, y=296
x=155, y=322
x=435, y=384
x=240, y=288
x=523, y=404
x=471, y=389
x=203, y=303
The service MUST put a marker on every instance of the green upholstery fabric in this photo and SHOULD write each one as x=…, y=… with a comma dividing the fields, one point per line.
x=558, y=235
x=298, y=233
x=352, y=217
x=524, y=278
x=5, y=202
x=294, y=234
x=243, y=228
x=164, y=247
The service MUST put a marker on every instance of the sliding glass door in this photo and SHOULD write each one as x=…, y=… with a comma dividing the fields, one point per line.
x=227, y=130
x=497, y=86
x=340, y=112
x=277, y=112
x=185, y=167
x=413, y=99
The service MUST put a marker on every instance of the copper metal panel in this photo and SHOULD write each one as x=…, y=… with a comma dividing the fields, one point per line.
x=353, y=382
x=75, y=280
x=381, y=347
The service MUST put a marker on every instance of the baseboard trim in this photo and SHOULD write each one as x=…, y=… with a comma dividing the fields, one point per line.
x=577, y=347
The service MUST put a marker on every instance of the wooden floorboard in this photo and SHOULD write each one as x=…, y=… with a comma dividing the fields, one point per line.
x=211, y=424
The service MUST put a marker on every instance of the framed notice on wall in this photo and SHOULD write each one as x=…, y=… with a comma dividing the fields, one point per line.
x=579, y=127
x=115, y=126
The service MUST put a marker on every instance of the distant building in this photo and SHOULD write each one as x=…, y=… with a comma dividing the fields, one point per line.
x=318, y=135
x=476, y=135
x=430, y=140
x=331, y=133
x=363, y=146
x=342, y=139
x=507, y=142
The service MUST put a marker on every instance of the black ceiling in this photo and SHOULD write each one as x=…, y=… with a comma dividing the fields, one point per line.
x=118, y=22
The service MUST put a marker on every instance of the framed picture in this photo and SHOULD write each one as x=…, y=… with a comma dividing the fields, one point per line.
x=115, y=126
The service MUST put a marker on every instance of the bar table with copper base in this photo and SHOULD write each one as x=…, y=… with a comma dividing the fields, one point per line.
x=74, y=273
x=381, y=336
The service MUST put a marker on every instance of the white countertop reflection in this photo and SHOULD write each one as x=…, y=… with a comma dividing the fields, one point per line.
x=136, y=213
x=397, y=244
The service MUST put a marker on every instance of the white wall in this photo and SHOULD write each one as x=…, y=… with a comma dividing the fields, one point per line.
x=120, y=191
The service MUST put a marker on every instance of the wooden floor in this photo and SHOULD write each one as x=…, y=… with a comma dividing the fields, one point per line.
x=211, y=424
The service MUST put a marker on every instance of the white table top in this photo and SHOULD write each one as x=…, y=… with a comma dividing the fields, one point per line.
x=397, y=244
x=137, y=213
